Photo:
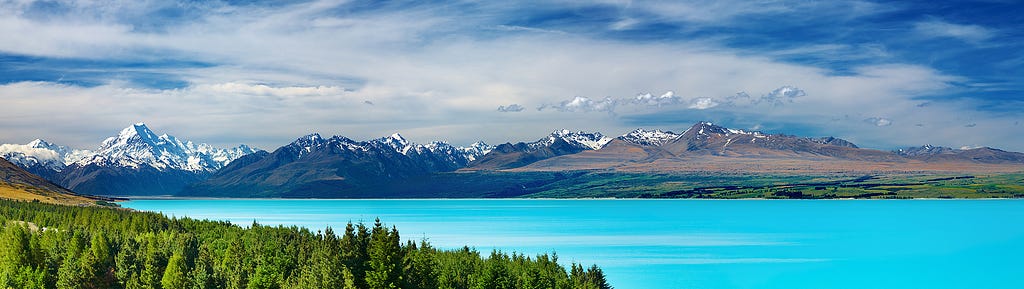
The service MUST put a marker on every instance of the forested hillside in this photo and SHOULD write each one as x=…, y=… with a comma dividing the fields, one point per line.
x=52, y=246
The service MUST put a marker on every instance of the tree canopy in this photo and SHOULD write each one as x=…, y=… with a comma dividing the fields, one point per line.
x=51, y=246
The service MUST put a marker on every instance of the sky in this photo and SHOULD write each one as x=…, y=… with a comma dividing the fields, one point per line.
x=880, y=74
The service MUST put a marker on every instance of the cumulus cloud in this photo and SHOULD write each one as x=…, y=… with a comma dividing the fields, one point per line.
x=779, y=96
x=312, y=65
x=878, y=121
x=668, y=98
x=702, y=103
x=783, y=95
x=583, y=104
x=511, y=108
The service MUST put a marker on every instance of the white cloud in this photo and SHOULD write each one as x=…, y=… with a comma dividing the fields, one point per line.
x=233, y=88
x=583, y=104
x=668, y=98
x=782, y=95
x=878, y=121
x=511, y=108
x=965, y=32
x=279, y=73
x=702, y=103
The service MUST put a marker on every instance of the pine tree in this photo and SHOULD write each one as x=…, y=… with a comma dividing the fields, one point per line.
x=174, y=274
x=385, y=258
x=202, y=274
x=14, y=255
x=421, y=265
x=70, y=274
x=354, y=256
x=126, y=263
x=99, y=263
x=154, y=263
x=496, y=274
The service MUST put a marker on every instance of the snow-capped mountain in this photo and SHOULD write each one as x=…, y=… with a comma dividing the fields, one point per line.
x=649, y=137
x=440, y=149
x=476, y=150
x=559, y=142
x=42, y=154
x=978, y=155
x=705, y=138
x=134, y=162
x=134, y=146
x=925, y=150
x=338, y=162
x=583, y=140
x=137, y=145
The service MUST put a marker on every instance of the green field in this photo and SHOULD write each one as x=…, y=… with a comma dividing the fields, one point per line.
x=600, y=185
x=606, y=184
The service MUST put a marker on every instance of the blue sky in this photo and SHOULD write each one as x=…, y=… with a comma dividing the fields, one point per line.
x=880, y=74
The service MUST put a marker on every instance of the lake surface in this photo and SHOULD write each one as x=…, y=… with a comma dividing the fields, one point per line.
x=696, y=243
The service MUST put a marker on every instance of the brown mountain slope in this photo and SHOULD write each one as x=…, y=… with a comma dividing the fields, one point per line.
x=18, y=184
x=707, y=147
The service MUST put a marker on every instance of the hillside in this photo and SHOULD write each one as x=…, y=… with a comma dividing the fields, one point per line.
x=706, y=147
x=18, y=184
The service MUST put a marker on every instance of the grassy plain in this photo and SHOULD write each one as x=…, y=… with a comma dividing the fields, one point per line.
x=716, y=186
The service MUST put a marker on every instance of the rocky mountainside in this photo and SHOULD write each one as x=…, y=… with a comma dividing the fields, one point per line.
x=313, y=165
x=558, y=143
x=709, y=147
x=705, y=138
x=985, y=155
x=134, y=162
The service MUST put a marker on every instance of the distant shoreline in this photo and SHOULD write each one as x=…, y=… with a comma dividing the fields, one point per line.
x=174, y=198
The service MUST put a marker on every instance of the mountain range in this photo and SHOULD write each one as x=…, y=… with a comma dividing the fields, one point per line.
x=138, y=162
x=134, y=162
x=312, y=164
x=709, y=147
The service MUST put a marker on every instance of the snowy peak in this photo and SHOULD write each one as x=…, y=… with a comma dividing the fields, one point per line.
x=925, y=150
x=394, y=143
x=136, y=134
x=137, y=145
x=41, y=144
x=704, y=128
x=477, y=149
x=649, y=137
x=40, y=154
x=309, y=141
x=397, y=142
x=834, y=141
x=584, y=140
x=29, y=156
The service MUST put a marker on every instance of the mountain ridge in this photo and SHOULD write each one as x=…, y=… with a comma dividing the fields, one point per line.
x=139, y=160
x=136, y=161
x=312, y=163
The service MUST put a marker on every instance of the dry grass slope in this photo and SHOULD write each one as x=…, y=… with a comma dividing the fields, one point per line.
x=27, y=193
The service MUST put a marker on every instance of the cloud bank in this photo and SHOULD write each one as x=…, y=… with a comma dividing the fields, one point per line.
x=264, y=73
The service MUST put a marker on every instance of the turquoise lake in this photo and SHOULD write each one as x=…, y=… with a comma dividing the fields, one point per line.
x=695, y=243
